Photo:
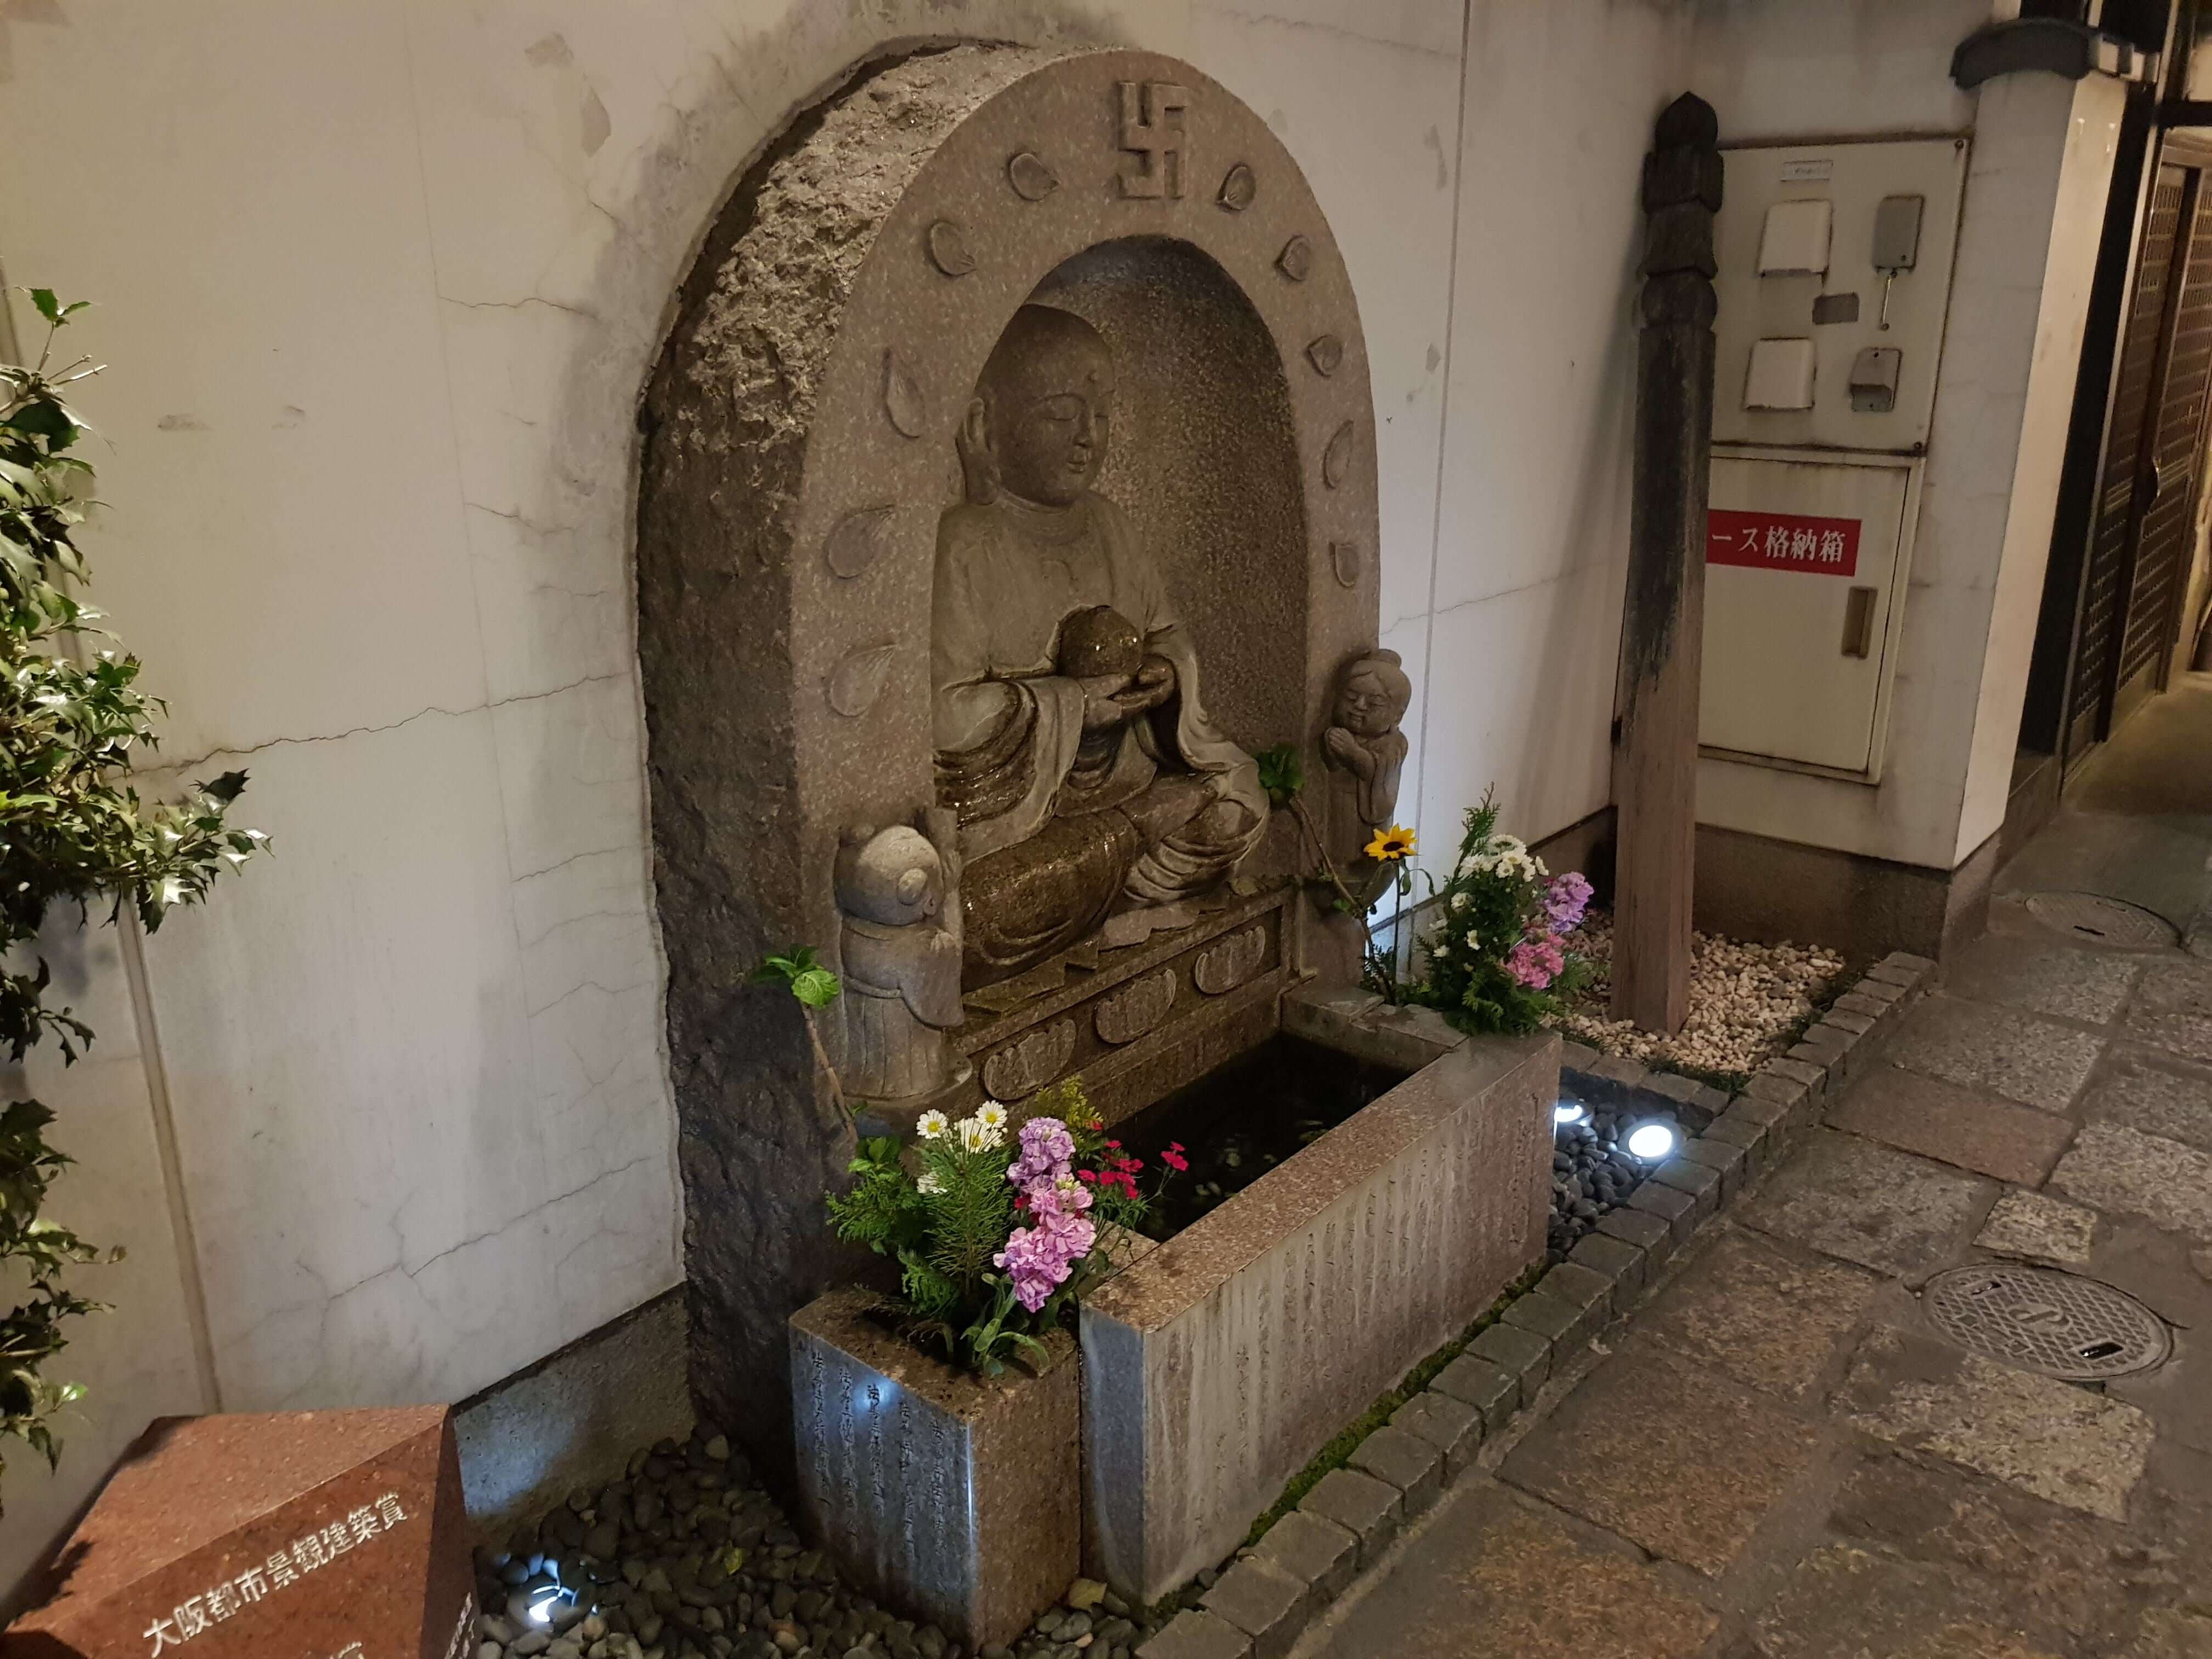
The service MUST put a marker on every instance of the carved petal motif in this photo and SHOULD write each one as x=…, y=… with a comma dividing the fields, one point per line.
x=857, y=682
x=1336, y=460
x=859, y=539
x=1222, y=968
x=1344, y=559
x=1031, y=178
x=948, y=249
x=902, y=400
x=1030, y=1061
x=1295, y=260
x=1326, y=353
x=1132, y=1012
x=1239, y=189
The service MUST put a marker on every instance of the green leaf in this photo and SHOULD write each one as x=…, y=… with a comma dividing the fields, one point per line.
x=226, y=788
x=49, y=308
x=817, y=988
x=1282, y=773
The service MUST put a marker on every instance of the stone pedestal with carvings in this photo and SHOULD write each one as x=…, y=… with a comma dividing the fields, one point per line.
x=957, y=1498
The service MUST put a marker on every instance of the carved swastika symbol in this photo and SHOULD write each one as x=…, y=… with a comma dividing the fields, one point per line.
x=1153, y=130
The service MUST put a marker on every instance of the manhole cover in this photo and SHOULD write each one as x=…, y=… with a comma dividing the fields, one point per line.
x=2096, y=919
x=2043, y=1320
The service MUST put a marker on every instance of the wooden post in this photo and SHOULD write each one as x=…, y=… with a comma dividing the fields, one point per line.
x=1656, y=765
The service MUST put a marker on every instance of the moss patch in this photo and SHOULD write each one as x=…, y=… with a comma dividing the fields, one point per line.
x=1346, y=1441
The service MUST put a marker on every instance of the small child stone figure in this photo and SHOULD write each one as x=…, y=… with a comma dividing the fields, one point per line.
x=899, y=892
x=1371, y=697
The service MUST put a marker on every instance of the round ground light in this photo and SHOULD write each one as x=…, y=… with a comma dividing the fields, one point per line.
x=2043, y=1320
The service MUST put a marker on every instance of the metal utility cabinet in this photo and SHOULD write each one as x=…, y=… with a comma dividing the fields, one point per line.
x=1834, y=280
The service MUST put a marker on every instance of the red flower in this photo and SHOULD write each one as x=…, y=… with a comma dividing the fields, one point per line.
x=1174, y=1159
x=1116, y=1145
x=1021, y=1201
x=1090, y=1176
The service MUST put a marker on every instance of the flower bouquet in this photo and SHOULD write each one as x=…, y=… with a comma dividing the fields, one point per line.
x=1497, y=959
x=995, y=1234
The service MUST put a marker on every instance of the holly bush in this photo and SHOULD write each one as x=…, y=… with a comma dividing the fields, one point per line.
x=72, y=830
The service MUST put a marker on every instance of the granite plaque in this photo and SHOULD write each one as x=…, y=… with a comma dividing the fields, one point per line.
x=309, y=1535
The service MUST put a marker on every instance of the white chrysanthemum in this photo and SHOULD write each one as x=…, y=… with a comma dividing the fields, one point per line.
x=1441, y=949
x=1474, y=939
x=1459, y=903
x=992, y=1115
x=977, y=1136
x=931, y=1125
x=929, y=1183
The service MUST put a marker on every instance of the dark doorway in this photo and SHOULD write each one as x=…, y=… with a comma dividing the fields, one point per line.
x=2124, y=531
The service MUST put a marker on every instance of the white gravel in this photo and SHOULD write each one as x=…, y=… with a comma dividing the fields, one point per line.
x=1745, y=1001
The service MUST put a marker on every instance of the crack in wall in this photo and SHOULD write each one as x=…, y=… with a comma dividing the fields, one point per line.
x=228, y=751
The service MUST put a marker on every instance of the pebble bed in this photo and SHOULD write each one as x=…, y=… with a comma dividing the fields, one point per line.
x=1591, y=1173
x=1747, y=1002
x=685, y=1557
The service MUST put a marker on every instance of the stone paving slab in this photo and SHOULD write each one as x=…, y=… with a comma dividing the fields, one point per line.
x=2158, y=1097
x=2008, y=1053
x=2119, y=1169
x=1493, y=1579
x=1679, y=1460
x=1844, y=1600
x=2173, y=1009
x=2042, y=1436
x=2042, y=1227
x=2061, y=1569
x=1882, y=1209
x=1750, y=1311
x=1952, y=1125
x=2089, y=985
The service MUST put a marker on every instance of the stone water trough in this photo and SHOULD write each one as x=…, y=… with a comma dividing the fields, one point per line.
x=1216, y=1366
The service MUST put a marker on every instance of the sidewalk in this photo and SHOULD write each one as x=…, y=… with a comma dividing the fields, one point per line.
x=1778, y=1457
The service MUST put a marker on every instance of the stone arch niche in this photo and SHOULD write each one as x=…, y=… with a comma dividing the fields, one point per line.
x=799, y=449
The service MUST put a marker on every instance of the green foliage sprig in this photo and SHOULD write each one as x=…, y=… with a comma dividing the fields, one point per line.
x=72, y=829
x=1497, y=955
x=796, y=969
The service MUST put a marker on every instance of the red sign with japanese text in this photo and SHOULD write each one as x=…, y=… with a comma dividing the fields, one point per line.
x=1783, y=541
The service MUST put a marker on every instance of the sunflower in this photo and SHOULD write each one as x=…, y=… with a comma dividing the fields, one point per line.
x=1391, y=845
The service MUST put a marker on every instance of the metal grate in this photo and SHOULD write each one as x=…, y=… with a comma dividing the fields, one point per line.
x=2042, y=1320
x=2096, y=919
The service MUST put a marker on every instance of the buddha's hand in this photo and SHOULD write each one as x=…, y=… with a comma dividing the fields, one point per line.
x=1154, y=685
x=1348, y=751
x=1116, y=699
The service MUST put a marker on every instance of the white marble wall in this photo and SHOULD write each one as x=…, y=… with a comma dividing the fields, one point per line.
x=382, y=281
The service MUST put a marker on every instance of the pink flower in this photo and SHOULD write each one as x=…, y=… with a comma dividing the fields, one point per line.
x=1173, y=1156
x=1564, y=900
x=1536, y=962
x=1039, y=1259
x=1047, y=1151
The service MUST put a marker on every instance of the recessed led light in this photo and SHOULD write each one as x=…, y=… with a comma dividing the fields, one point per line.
x=1569, y=1111
x=1652, y=1140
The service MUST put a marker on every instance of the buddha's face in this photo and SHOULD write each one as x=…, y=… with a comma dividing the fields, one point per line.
x=1365, y=708
x=1049, y=431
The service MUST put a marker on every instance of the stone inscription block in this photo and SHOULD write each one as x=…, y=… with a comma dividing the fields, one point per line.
x=1151, y=130
x=295, y=1533
x=953, y=1497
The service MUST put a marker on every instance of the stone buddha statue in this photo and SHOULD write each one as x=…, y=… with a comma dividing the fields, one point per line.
x=1070, y=736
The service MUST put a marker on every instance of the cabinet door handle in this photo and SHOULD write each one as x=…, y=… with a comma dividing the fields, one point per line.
x=1858, y=622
